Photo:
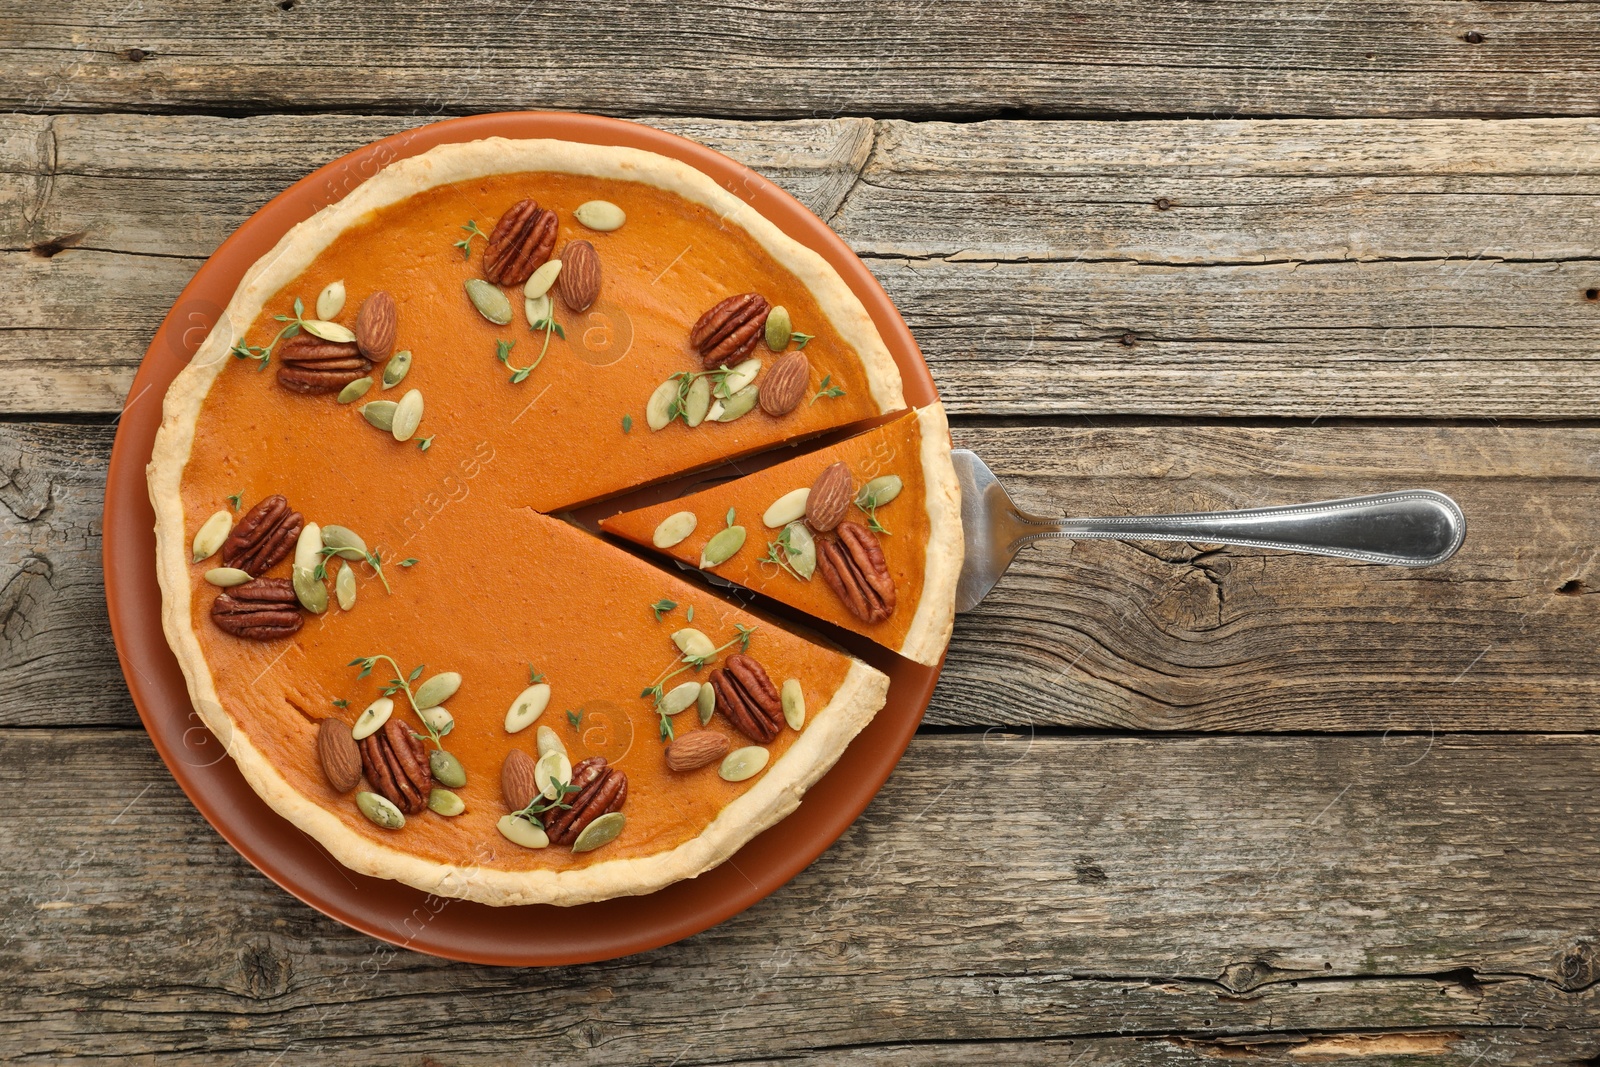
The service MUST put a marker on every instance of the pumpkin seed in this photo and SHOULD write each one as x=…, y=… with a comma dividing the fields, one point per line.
x=443, y=802
x=602, y=831
x=521, y=832
x=438, y=719
x=737, y=405
x=211, y=534
x=537, y=309
x=380, y=413
x=526, y=709
x=708, y=702
x=802, y=550
x=787, y=508
x=447, y=770
x=308, y=549
x=436, y=690
x=679, y=698
x=407, y=416
x=674, y=528
x=396, y=369
x=743, y=763
x=697, y=403
x=309, y=590
x=694, y=644
x=226, y=577
x=379, y=810
x=879, y=492
x=355, y=390
x=657, y=408
x=376, y=715
x=548, y=741
x=490, y=301
x=552, y=765
x=346, y=540
x=779, y=329
x=722, y=547
x=794, y=704
x=344, y=587
x=540, y=281
x=739, y=377
x=600, y=215
x=331, y=300
x=328, y=331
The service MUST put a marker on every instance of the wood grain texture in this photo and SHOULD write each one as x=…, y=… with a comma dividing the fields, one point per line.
x=1091, y=634
x=1167, y=900
x=906, y=58
x=1315, y=269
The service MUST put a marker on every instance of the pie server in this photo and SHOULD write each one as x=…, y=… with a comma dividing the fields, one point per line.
x=1410, y=528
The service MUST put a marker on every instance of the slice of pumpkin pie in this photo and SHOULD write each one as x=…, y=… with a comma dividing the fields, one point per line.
x=865, y=533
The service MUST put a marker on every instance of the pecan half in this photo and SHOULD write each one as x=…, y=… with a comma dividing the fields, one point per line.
x=748, y=699
x=263, y=610
x=726, y=334
x=853, y=566
x=396, y=763
x=520, y=244
x=601, y=790
x=264, y=536
x=309, y=364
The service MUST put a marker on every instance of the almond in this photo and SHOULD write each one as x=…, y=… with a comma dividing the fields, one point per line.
x=697, y=749
x=341, y=756
x=786, y=383
x=829, y=499
x=579, y=280
x=517, y=776
x=375, y=326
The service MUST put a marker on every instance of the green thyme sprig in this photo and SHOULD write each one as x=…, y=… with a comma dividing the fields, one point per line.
x=779, y=552
x=540, y=804
x=869, y=504
x=236, y=500
x=293, y=324
x=400, y=684
x=576, y=718
x=662, y=606
x=373, y=560
x=502, y=352
x=465, y=244
x=827, y=390
x=549, y=325
x=656, y=691
x=800, y=339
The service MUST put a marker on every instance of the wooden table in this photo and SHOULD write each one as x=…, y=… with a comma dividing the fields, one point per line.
x=1171, y=804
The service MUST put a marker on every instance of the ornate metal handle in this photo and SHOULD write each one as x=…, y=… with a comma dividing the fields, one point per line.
x=1411, y=528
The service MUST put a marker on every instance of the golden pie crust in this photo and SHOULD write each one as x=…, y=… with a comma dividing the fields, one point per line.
x=505, y=875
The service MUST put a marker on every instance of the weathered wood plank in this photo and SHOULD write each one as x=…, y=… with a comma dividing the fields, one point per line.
x=1200, y=895
x=906, y=58
x=1301, y=268
x=1090, y=634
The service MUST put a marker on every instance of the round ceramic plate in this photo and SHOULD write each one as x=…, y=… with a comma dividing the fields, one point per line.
x=396, y=913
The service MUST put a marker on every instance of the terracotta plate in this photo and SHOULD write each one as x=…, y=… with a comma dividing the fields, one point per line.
x=388, y=910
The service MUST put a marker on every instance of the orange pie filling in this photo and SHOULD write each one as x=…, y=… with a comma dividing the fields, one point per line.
x=467, y=573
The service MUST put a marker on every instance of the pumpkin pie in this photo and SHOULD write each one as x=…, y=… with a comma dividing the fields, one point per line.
x=865, y=534
x=360, y=486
